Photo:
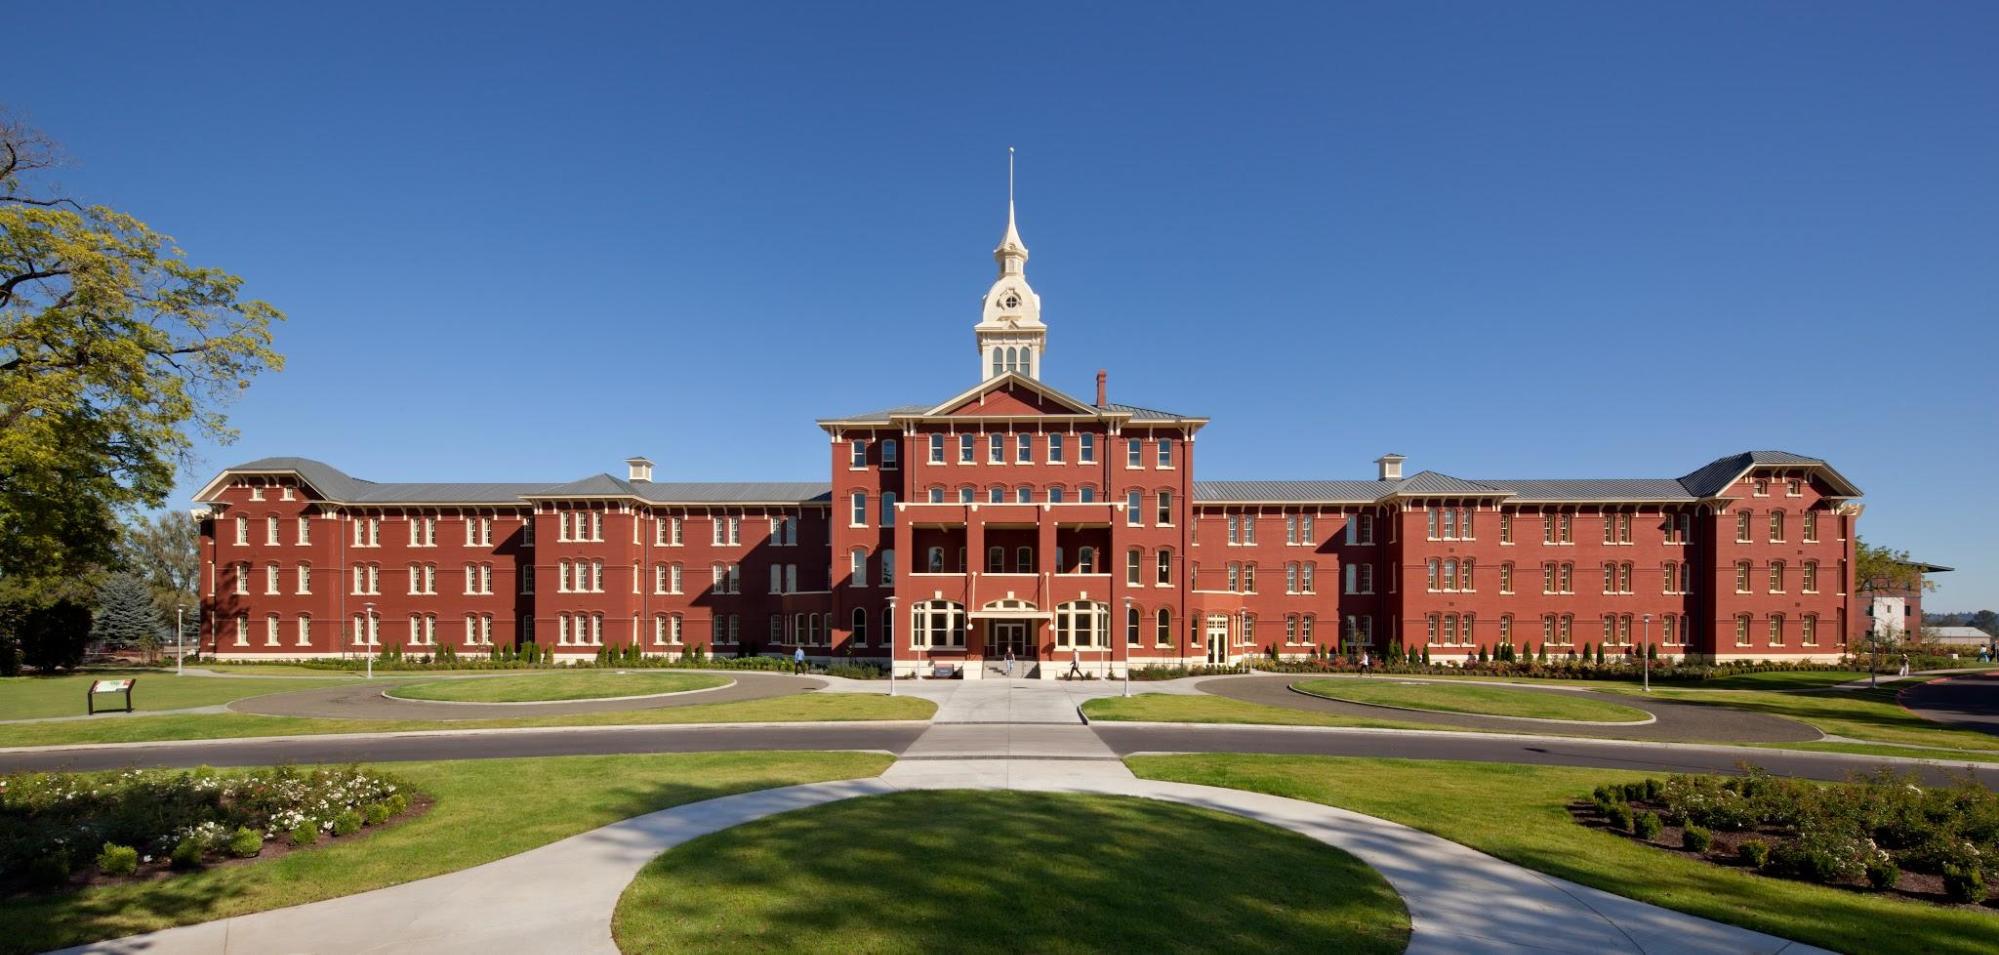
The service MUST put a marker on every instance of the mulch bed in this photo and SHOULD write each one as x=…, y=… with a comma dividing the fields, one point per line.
x=161, y=868
x=1915, y=886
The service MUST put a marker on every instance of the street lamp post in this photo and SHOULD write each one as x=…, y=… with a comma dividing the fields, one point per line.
x=180, y=640
x=1127, y=648
x=367, y=635
x=891, y=646
x=1648, y=653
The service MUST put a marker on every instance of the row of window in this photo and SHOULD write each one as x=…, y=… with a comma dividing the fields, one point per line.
x=1023, y=448
x=1745, y=526
x=1777, y=570
x=366, y=630
x=1557, y=630
x=1299, y=529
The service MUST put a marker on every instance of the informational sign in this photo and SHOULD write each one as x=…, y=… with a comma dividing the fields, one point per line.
x=109, y=686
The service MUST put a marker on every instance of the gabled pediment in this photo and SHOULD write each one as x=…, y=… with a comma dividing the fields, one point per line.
x=1013, y=395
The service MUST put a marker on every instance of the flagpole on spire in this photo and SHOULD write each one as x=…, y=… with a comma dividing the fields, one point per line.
x=1009, y=177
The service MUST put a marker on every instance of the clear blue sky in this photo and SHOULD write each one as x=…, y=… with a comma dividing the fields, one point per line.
x=521, y=242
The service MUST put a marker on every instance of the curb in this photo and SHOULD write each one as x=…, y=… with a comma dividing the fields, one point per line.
x=1650, y=717
x=492, y=731
x=594, y=699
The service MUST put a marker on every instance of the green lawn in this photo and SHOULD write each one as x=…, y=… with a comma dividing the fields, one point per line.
x=1890, y=749
x=797, y=708
x=974, y=872
x=272, y=669
x=1870, y=715
x=1182, y=708
x=586, y=685
x=31, y=697
x=1517, y=813
x=471, y=823
x=1472, y=698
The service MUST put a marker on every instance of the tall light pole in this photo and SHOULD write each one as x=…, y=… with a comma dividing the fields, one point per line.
x=1647, y=651
x=180, y=639
x=891, y=645
x=368, y=636
x=1127, y=647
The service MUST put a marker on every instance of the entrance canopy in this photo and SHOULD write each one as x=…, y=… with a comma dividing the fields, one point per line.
x=1010, y=609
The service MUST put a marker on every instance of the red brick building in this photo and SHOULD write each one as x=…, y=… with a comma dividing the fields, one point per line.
x=1015, y=517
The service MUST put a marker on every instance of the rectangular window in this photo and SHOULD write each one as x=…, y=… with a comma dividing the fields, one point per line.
x=996, y=449
x=1306, y=533
x=1811, y=579
x=1249, y=529
x=1742, y=527
x=1023, y=452
x=1134, y=509
x=1055, y=449
x=1776, y=527
x=965, y=449
x=1741, y=576
x=1568, y=525
x=1505, y=528
x=1305, y=578
x=1086, y=448
x=1133, y=561
x=304, y=531
x=1165, y=567
x=270, y=530
x=1290, y=528
x=857, y=454
x=1165, y=508
x=1134, y=453
x=858, y=514
x=1165, y=452
x=1505, y=578
x=1811, y=531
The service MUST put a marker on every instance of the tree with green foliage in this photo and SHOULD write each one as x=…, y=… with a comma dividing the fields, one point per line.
x=126, y=618
x=52, y=636
x=165, y=551
x=1884, y=568
x=113, y=348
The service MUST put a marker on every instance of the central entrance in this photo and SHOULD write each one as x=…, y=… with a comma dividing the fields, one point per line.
x=1009, y=635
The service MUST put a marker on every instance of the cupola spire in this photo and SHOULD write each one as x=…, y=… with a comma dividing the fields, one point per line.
x=1010, y=335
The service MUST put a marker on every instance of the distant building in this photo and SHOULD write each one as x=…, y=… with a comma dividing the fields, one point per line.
x=1014, y=517
x=1893, y=606
x=1958, y=636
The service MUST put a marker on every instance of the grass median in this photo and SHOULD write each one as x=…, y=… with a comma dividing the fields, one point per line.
x=1869, y=715
x=470, y=823
x=1473, y=699
x=797, y=708
x=544, y=688
x=1517, y=813
x=37, y=697
x=979, y=872
x=1186, y=708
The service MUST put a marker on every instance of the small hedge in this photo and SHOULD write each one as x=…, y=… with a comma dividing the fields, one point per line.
x=1880, y=830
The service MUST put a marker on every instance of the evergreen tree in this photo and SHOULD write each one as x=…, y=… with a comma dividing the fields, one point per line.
x=126, y=618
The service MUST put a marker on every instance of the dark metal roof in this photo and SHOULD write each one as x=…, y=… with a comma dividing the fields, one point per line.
x=338, y=486
x=724, y=492
x=1291, y=492
x=1594, y=489
x=1709, y=480
x=1714, y=477
x=1435, y=482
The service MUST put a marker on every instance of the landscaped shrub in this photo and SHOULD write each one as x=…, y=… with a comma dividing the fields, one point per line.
x=1653, y=788
x=305, y=833
x=118, y=860
x=1696, y=838
x=50, y=869
x=1754, y=853
x=1964, y=884
x=1882, y=872
x=375, y=813
x=188, y=852
x=347, y=823
x=1620, y=816
x=245, y=843
x=175, y=817
x=1820, y=856
x=1647, y=825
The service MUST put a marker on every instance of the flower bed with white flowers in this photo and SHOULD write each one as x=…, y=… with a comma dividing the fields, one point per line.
x=63, y=829
x=1881, y=832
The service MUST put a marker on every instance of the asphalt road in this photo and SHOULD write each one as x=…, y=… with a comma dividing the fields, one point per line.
x=363, y=699
x=897, y=737
x=1968, y=701
x=1680, y=722
x=1606, y=754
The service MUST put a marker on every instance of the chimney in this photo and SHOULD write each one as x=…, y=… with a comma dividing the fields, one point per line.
x=1391, y=466
x=1103, y=379
x=638, y=469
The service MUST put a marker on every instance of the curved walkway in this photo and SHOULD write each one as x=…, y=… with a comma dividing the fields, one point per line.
x=1969, y=701
x=561, y=897
x=363, y=700
x=1674, y=721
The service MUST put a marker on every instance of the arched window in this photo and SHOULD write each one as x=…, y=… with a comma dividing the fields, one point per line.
x=1131, y=627
x=935, y=560
x=1023, y=494
x=998, y=367
x=1164, y=631
x=860, y=627
x=1012, y=359
x=996, y=494
x=1742, y=630
x=965, y=494
x=937, y=623
x=937, y=495
x=1079, y=623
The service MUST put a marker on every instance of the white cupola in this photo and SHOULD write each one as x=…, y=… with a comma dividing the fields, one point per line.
x=1010, y=335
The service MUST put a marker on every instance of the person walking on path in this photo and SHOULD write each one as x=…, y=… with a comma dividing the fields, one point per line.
x=1365, y=662
x=1075, y=664
x=1905, y=665
x=1009, y=663
x=798, y=660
